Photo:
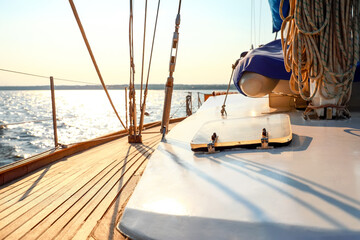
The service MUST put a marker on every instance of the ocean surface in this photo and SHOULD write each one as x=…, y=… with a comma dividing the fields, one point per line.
x=26, y=126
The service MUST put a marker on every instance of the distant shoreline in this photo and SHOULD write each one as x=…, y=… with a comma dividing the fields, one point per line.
x=120, y=87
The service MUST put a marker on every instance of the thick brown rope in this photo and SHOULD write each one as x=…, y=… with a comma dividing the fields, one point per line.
x=93, y=59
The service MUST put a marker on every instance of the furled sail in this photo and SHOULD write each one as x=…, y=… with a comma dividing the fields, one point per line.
x=267, y=60
x=275, y=12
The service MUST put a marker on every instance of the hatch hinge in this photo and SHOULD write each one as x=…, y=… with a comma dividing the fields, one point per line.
x=211, y=145
x=265, y=140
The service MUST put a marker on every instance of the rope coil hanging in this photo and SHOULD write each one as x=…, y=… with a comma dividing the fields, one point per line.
x=320, y=41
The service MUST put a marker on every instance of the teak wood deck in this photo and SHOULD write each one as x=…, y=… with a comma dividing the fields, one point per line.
x=77, y=197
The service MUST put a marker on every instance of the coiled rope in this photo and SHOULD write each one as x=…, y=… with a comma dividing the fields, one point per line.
x=320, y=41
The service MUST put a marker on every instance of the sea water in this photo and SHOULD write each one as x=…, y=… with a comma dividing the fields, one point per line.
x=81, y=114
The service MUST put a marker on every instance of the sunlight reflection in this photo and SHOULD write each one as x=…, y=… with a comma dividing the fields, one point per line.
x=166, y=206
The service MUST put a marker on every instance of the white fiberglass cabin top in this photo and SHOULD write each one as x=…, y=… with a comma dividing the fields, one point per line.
x=308, y=189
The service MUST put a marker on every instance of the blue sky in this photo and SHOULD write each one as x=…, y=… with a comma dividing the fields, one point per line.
x=42, y=37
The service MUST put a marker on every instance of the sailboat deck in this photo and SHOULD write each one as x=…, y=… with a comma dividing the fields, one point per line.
x=309, y=189
x=77, y=197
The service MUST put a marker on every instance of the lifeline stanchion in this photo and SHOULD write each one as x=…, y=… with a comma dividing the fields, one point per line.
x=189, y=104
x=54, y=111
x=126, y=107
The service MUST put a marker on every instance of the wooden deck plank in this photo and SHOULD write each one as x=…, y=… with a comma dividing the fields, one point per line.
x=68, y=208
x=44, y=191
x=106, y=226
x=53, y=207
x=76, y=196
x=15, y=208
x=103, y=200
x=24, y=181
x=15, y=192
x=28, y=180
x=64, y=192
x=31, y=193
x=67, y=168
x=50, y=176
x=75, y=224
x=72, y=210
x=90, y=222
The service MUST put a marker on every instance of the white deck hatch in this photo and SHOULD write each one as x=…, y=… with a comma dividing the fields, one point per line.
x=244, y=131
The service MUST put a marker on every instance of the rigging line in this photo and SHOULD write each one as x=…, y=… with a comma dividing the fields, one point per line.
x=130, y=49
x=131, y=46
x=178, y=109
x=179, y=7
x=148, y=73
x=260, y=21
x=251, y=24
x=93, y=59
x=143, y=56
x=23, y=73
x=74, y=81
x=223, y=110
x=41, y=76
x=254, y=16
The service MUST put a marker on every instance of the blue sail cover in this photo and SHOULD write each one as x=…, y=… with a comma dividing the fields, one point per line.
x=274, y=7
x=267, y=60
